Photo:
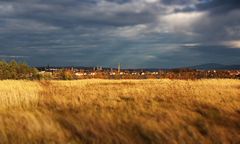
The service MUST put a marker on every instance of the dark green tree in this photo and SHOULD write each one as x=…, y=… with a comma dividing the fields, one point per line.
x=15, y=70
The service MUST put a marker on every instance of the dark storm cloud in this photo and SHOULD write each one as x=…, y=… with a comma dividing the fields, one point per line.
x=187, y=56
x=71, y=14
x=220, y=6
x=213, y=6
x=136, y=33
x=119, y=1
x=179, y=2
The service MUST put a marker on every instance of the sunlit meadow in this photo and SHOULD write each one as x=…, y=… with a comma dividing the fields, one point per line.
x=120, y=111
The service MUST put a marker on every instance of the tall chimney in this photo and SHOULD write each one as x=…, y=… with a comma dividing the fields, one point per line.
x=119, y=67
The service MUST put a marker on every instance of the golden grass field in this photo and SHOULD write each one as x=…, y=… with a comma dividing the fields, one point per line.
x=120, y=111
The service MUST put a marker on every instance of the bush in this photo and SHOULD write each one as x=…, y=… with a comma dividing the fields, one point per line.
x=14, y=70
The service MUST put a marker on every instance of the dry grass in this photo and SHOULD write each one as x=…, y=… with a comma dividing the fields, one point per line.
x=20, y=94
x=120, y=111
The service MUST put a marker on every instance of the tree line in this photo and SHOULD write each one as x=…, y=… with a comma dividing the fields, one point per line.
x=17, y=70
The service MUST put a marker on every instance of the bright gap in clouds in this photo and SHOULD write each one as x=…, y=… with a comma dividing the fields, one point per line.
x=232, y=44
x=151, y=1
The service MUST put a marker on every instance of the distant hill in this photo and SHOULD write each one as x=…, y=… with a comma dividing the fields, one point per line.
x=211, y=66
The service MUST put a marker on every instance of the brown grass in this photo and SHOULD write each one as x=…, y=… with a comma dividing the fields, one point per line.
x=120, y=111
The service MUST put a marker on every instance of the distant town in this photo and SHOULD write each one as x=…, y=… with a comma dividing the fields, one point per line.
x=69, y=73
x=18, y=70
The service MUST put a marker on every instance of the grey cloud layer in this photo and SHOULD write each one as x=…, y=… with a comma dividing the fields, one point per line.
x=137, y=33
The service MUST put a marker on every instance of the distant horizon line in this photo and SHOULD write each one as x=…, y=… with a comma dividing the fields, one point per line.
x=115, y=67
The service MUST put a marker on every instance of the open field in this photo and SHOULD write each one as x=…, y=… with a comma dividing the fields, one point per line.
x=120, y=111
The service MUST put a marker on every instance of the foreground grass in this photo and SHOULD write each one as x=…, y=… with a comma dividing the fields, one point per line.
x=117, y=111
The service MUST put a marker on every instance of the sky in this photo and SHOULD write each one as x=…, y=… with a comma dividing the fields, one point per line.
x=135, y=33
